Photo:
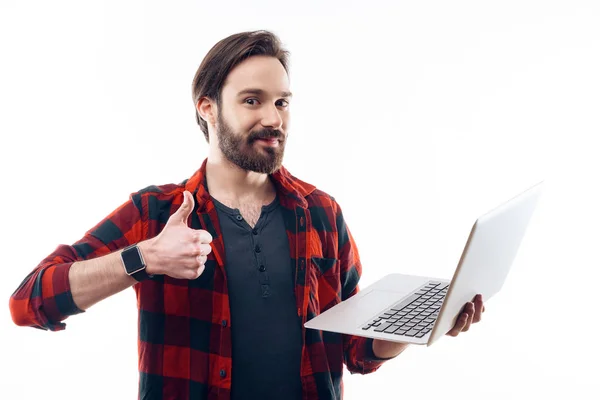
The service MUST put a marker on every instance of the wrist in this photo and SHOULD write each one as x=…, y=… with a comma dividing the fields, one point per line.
x=149, y=253
x=385, y=349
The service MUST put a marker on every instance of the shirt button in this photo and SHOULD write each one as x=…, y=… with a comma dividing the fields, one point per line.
x=224, y=322
x=223, y=373
x=254, y=232
x=257, y=249
x=239, y=217
x=262, y=268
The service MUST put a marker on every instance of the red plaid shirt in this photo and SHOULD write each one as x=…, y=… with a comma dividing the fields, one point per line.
x=184, y=325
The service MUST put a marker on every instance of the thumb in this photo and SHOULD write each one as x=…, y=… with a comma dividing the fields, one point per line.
x=184, y=211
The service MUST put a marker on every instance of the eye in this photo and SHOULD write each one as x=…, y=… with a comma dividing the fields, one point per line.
x=252, y=101
x=282, y=103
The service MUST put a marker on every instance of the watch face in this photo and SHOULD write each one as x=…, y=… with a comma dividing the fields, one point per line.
x=132, y=260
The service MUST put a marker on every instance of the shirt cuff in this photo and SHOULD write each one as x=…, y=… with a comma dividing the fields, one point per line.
x=57, y=301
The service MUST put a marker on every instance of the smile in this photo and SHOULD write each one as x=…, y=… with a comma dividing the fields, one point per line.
x=273, y=142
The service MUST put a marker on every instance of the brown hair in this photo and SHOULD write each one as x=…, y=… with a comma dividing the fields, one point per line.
x=226, y=55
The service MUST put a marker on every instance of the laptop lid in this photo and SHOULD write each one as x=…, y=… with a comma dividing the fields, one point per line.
x=487, y=256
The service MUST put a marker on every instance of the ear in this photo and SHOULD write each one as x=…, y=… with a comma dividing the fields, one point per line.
x=207, y=110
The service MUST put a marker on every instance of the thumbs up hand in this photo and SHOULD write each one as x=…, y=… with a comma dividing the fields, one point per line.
x=178, y=251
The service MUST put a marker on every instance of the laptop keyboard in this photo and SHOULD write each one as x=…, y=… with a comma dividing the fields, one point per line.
x=415, y=315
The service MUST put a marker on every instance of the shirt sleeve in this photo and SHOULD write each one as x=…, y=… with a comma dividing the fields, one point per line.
x=358, y=351
x=44, y=297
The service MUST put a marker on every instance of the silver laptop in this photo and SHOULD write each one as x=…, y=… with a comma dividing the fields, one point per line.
x=418, y=309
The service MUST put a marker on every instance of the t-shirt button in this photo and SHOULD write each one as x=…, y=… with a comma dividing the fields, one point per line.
x=239, y=217
x=224, y=322
x=262, y=268
x=223, y=373
x=257, y=249
x=254, y=232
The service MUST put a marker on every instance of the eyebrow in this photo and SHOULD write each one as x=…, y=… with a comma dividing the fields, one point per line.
x=260, y=92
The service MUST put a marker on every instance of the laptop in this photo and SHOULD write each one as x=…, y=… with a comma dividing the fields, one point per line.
x=419, y=310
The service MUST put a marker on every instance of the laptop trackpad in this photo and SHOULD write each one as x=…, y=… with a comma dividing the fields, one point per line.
x=378, y=300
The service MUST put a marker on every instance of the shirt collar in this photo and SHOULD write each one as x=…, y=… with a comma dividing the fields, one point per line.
x=291, y=190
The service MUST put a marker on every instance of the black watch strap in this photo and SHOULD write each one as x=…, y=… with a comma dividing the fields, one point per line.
x=134, y=263
x=141, y=275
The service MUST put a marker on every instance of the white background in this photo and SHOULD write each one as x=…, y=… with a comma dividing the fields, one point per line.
x=417, y=116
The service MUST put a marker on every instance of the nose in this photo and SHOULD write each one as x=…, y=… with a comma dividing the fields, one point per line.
x=272, y=118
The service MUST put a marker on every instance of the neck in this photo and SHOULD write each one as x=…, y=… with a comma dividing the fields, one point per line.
x=227, y=181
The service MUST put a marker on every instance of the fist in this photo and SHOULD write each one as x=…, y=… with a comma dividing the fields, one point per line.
x=179, y=251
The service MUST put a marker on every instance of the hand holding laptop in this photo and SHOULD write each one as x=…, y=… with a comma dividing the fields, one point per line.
x=471, y=314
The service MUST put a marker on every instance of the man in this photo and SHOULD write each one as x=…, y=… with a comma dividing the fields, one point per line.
x=229, y=264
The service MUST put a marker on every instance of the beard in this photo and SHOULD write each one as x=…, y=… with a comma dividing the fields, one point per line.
x=240, y=149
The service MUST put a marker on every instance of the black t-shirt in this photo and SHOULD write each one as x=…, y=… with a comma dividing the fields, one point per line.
x=265, y=327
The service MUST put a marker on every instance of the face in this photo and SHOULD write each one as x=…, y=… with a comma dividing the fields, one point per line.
x=252, y=121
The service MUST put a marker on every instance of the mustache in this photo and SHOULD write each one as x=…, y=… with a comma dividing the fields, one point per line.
x=265, y=134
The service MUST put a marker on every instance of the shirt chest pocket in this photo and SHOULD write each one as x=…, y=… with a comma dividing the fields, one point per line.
x=326, y=286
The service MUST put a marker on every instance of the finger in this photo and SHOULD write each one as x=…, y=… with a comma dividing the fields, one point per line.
x=478, y=308
x=195, y=273
x=201, y=260
x=203, y=236
x=205, y=249
x=184, y=211
x=458, y=325
x=471, y=314
x=195, y=249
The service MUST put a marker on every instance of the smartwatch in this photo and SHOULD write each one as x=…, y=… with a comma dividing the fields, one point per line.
x=134, y=263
